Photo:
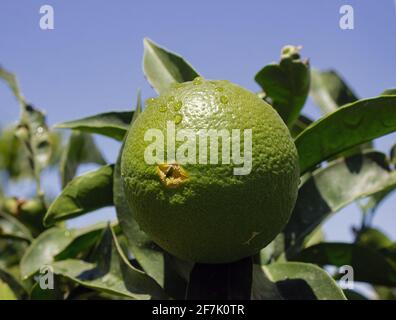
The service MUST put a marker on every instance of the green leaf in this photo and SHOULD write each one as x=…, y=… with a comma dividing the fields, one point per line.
x=43, y=249
x=83, y=194
x=12, y=228
x=28, y=212
x=13, y=155
x=137, y=111
x=273, y=251
x=385, y=293
x=262, y=287
x=6, y=292
x=162, y=67
x=33, y=131
x=108, y=270
x=83, y=240
x=369, y=265
x=10, y=288
x=80, y=149
x=55, y=244
x=296, y=281
x=329, y=91
x=10, y=79
x=331, y=188
x=389, y=92
x=58, y=292
x=11, y=252
x=347, y=127
x=373, y=238
x=286, y=85
x=354, y=295
x=228, y=281
x=111, y=124
x=393, y=155
x=370, y=207
x=315, y=237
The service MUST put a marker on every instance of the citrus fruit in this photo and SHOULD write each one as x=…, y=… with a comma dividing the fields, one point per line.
x=210, y=171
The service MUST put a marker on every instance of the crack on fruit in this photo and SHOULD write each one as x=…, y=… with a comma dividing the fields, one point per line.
x=171, y=175
x=254, y=235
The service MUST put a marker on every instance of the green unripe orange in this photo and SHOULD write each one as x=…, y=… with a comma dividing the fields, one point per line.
x=210, y=212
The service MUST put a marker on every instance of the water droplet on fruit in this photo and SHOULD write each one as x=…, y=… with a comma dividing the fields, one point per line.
x=163, y=108
x=219, y=89
x=150, y=100
x=223, y=99
x=178, y=118
x=197, y=81
x=171, y=99
x=176, y=85
x=178, y=105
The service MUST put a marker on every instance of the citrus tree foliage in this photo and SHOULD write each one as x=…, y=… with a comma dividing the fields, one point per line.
x=339, y=165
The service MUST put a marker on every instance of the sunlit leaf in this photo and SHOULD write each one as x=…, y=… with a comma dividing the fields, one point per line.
x=329, y=91
x=108, y=270
x=6, y=292
x=10, y=287
x=331, y=188
x=10, y=79
x=12, y=228
x=303, y=281
x=111, y=124
x=86, y=193
x=162, y=67
x=55, y=244
x=344, y=128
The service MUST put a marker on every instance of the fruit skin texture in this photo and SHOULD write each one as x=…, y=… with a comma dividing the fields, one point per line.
x=215, y=216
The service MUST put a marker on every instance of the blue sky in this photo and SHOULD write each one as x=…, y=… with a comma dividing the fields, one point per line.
x=91, y=61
